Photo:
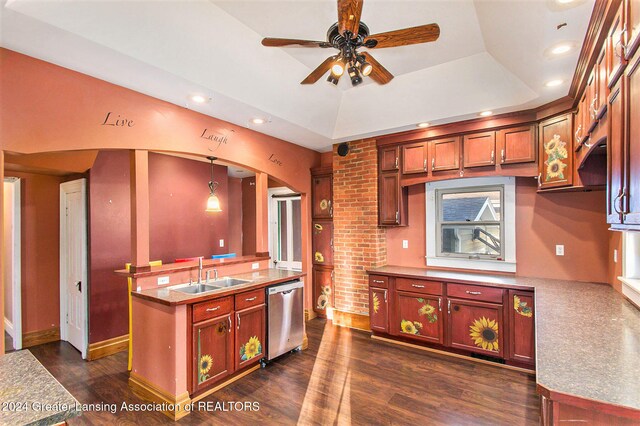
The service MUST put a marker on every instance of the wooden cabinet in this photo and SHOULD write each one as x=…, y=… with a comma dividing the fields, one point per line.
x=615, y=44
x=521, y=327
x=379, y=309
x=479, y=149
x=322, y=196
x=630, y=199
x=601, y=86
x=419, y=317
x=444, y=154
x=414, y=158
x=322, y=290
x=555, y=148
x=632, y=27
x=391, y=202
x=249, y=336
x=389, y=159
x=212, y=351
x=590, y=92
x=517, y=145
x=476, y=327
x=322, y=242
x=616, y=152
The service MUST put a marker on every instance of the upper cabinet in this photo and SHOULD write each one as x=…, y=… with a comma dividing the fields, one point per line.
x=615, y=45
x=444, y=154
x=414, y=158
x=516, y=145
x=632, y=26
x=630, y=196
x=479, y=149
x=555, y=165
x=616, y=148
x=389, y=159
x=322, y=196
x=601, y=87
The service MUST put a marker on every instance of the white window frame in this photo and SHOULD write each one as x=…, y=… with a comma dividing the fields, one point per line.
x=508, y=212
x=273, y=228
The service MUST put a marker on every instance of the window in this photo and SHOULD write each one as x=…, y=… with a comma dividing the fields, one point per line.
x=471, y=224
x=285, y=229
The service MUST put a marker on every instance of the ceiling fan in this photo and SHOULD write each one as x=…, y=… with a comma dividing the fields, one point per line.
x=347, y=36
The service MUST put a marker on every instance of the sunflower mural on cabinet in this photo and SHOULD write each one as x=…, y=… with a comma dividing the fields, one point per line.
x=425, y=309
x=557, y=154
x=484, y=333
x=251, y=349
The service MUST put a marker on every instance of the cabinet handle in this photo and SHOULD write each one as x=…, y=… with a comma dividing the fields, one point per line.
x=588, y=145
x=238, y=317
x=331, y=243
x=449, y=307
x=539, y=177
x=397, y=216
x=578, y=138
x=424, y=165
x=378, y=281
x=473, y=292
x=493, y=156
x=229, y=318
x=616, y=202
x=433, y=163
x=594, y=111
x=417, y=285
x=213, y=309
x=330, y=208
x=385, y=296
x=251, y=299
x=502, y=155
x=440, y=304
x=332, y=276
x=622, y=43
x=396, y=162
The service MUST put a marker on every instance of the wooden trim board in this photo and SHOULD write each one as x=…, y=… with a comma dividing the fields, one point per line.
x=351, y=320
x=34, y=338
x=149, y=392
x=108, y=347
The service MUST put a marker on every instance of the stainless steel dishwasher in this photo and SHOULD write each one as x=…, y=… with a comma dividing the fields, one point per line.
x=285, y=318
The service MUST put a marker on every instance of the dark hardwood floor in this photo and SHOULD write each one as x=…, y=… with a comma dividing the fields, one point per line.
x=343, y=378
x=8, y=343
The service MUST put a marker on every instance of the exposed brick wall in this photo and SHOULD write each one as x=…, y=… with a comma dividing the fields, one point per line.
x=359, y=244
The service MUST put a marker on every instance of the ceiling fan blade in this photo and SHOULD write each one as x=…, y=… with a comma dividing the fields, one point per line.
x=281, y=42
x=349, y=12
x=319, y=72
x=379, y=74
x=404, y=37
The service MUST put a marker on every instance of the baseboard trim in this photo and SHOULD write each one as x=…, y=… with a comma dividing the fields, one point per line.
x=227, y=383
x=34, y=338
x=149, y=392
x=309, y=314
x=351, y=320
x=454, y=355
x=108, y=347
x=8, y=327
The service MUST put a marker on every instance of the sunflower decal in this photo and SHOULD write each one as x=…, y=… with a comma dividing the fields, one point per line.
x=323, y=299
x=319, y=257
x=324, y=204
x=250, y=349
x=484, y=333
x=409, y=327
x=317, y=226
x=556, y=151
x=427, y=310
x=204, y=366
x=521, y=307
x=376, y=303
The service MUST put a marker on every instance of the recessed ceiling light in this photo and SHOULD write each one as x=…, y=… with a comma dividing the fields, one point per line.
x=258, y=121
x=199, y=99
x=485, y=113
x=561, y=48
x=422, y=125
x=553, y=83
x=565, y=1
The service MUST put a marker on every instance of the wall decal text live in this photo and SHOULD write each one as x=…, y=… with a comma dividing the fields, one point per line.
x=275, y=160
x=117, y=121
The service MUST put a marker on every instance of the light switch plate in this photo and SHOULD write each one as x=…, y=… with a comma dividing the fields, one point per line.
x=405, y=243
x=559, y=250
x=255, y=265
x=163, y=280
x=221, y=243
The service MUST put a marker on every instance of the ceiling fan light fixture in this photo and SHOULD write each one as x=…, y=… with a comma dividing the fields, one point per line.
x=333, y=79
x=365, y=67
x=354, y=74
x=337, y=68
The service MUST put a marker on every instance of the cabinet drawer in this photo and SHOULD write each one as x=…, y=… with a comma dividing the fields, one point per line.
x=475, y=292
x=419, y=286
x=212, y=308
x=379, y=281
x=249, y=299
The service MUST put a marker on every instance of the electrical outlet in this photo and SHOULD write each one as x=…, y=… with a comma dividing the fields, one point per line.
x=139, y=288
x=559, y=250
x=255, y=265
x=405, y=244
x=163, y=280
x=221, y=243
x=615, y=255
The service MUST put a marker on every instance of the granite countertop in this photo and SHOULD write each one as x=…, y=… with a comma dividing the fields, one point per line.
x=37, y=397
x=188, y=266
x=258, y=279
x=587, y=334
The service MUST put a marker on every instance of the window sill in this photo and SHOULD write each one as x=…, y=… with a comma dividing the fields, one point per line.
x=478, y=265
x=631, y=289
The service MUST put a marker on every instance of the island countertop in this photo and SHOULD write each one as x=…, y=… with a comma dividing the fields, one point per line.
x=587, y=334
x=258, y=279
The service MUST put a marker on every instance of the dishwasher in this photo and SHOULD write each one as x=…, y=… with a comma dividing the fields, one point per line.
x=285, y=318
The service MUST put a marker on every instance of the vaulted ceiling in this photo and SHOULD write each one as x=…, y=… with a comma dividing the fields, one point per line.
x=491, y=55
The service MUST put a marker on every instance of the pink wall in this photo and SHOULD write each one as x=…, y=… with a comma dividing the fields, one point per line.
x=249, y=215
x=235, y=216
x=575, y=219
x=40, y=250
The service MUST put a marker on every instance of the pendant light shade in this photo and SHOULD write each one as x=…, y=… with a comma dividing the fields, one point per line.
x=213, y=202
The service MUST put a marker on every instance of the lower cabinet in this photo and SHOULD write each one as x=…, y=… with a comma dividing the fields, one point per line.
x=522, y=327
x=249, y=336
x=212, y=351
x=379, y=309
x=419, y=316
x=322, y=290
x=476, y=327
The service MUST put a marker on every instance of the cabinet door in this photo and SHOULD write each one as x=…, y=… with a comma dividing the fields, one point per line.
x=631, y=190
x=517, y=145
x=521, y=326
x=632, y=26
x=615, y=42
x=476, y=327
x=556, y=159
x=602, y=89
x=249, y=341
x=616, y=150
x=444, y=154
x=212, y=351
x=322, y=290
x=591, y=92
x=389, y=159
x=389, y=199
x=414, y=158
x=419, y=317
x=322, y=242
x=479, y=149
x=322, y=196
x=379, y=309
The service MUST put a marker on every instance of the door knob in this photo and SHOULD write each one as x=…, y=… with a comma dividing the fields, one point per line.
x=79, y=285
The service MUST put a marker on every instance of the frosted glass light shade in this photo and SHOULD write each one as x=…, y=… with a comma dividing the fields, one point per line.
x=213, y=204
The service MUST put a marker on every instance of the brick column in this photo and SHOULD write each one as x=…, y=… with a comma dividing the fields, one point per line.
x=359, y=244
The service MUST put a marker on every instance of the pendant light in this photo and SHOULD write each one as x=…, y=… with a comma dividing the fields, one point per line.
x=213, y=203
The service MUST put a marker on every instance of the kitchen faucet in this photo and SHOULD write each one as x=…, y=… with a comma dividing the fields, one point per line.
x=200, y=270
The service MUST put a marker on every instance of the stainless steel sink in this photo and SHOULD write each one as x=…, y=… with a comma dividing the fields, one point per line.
x=196, y=288
x=228, y=282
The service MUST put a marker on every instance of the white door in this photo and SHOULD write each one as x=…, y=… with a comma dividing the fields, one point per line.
x=73, y=264
x=12, y=271
x=285, y=233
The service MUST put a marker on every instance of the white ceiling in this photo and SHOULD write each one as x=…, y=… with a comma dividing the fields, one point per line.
x=492, y=54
